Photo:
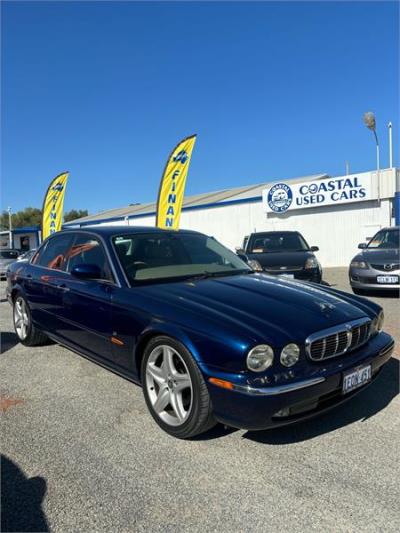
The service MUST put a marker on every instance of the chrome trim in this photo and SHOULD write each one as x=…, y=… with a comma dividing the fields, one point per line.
x=341, y=328
x=387, y=349
x=279, y=389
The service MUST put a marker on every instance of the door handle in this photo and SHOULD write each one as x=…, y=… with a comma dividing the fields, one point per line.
x=62, y=287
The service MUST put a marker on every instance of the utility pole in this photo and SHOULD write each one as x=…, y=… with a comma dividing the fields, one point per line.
x=10, y=227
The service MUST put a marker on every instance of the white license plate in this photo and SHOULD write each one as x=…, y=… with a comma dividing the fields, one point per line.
x=387, y=279
x=356, y=378
x=290, y=276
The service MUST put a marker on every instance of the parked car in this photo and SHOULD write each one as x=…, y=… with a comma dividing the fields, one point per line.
x=283, y=253
x=27, y=256
x=7, y=256
x=208, y=338
x=377, y=266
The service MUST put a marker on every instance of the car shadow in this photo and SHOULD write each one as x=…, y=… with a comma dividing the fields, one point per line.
x=362, y=407
x=21, y=499
x=8, y=340
x=381, y=294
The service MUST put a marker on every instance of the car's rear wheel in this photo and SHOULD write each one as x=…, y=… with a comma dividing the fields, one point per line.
x=174, y=389
x=23, y=325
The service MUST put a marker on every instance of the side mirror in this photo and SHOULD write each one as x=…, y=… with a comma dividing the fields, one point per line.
x=362, y=245
x=242, y=256
x=239, y=250
x=314, y=248
x=86, y=271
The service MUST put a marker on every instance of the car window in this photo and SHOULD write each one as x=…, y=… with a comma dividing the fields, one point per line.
x=8, y=254
x=86, y=249
x=53, y=253
x=161, y=256
x=277, y=242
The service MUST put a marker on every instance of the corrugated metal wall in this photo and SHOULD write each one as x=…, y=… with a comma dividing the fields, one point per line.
x=337, y=230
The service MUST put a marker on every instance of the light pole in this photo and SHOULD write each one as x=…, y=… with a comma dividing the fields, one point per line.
x=9, y=227
x=390, y=146
x=370, y=122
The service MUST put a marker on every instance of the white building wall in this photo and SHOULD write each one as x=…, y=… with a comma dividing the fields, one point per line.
x=335, y=229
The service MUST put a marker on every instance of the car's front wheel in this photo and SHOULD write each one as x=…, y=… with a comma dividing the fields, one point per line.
x=23, y=325
x=174, y=389
x=360, y=292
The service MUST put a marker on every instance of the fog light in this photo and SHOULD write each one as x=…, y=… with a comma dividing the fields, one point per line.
x=290, y=354
x=260, y=358
x=283, y=412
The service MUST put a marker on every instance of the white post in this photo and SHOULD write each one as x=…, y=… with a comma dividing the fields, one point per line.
x=390, y=146
x=10, y=239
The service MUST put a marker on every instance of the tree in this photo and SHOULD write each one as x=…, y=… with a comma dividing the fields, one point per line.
x=74, y=214
x=32, y=216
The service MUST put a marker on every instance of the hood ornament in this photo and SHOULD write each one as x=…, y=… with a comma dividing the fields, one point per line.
x=326, y=308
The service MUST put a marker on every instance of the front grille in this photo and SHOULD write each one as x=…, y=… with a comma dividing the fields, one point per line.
x=389, y=267
x=336, y=341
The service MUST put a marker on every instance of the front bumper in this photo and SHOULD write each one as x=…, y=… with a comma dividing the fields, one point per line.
x=366, y=278
x=311, y=274
x=255, y=408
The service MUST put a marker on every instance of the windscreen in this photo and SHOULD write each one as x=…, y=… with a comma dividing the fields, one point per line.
x=276, y=241
x=166, y=256
x=385, y=239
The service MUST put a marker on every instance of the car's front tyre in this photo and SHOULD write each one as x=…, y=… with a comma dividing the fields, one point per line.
x=26, y=332
x=174, y=389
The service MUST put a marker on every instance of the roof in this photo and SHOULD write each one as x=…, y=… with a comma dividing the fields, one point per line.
x=126, y=230
x=245, y=194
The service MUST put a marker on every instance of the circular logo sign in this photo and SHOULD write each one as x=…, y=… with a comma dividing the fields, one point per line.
x=280, y=197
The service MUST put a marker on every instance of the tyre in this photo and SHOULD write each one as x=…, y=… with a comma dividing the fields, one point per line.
x=26, y=332
x=360, y=292
x=174, y=389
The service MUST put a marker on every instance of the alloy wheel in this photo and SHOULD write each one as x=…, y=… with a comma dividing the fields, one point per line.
x=21, y=318
x=169, y=385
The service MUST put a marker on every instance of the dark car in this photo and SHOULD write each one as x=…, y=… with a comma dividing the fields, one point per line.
x=7, y=256
x=378, y=265
x=208, y=338
x=283, y=253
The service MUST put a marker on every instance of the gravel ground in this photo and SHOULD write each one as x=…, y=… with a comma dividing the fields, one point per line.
x=80, y=453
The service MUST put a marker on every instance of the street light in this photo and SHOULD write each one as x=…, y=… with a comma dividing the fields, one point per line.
x=370, y=122
x=390, y=145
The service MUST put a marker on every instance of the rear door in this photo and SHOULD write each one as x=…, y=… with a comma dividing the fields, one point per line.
x=45, y=282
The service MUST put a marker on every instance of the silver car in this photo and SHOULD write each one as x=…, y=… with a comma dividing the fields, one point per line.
x=377, y=266
x=7, y=256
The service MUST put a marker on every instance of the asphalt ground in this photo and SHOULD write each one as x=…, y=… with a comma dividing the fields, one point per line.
x=81, y=453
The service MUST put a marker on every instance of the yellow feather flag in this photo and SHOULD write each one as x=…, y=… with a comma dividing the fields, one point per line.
x=172, y=186
x=52, y=212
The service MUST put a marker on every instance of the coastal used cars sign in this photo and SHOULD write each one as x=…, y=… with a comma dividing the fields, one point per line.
x=281, y=197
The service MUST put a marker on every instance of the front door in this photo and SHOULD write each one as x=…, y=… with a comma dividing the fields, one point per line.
x=87, y=303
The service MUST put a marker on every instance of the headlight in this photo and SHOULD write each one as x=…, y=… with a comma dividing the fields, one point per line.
x=260, y=358
x=377, y=323
x=381, y=319
x=311, y=263
x=290, y=354
x=358, y=264
x=255, y=265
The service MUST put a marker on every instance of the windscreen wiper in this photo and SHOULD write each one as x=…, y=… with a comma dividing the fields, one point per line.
x=206, y=274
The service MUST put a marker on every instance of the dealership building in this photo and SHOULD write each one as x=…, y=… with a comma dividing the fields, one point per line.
x=333, y=213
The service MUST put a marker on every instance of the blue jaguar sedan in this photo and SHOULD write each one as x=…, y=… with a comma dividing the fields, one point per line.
x=208, y=338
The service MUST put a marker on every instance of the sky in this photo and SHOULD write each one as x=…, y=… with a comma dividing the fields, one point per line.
x=274, y=90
